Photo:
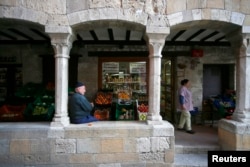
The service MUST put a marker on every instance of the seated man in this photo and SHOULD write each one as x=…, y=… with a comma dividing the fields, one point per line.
x=79, y=107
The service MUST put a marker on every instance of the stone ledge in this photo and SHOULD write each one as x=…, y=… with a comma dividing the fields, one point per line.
x=234, y=135
x=118, y=129
x=94, y=143
x=234, y=126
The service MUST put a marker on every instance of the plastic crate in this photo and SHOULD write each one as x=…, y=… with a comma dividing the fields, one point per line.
x=12, y=113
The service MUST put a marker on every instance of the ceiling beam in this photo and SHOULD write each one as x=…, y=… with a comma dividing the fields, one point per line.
x=94, y=36
x=78, y=36
x=111, y=35
x=24, y=42
x=195, y=34
x=219, y=39
x=167, y=43
x=20, y=33
x=118, y=43
x=137, y=53
x=209, y=36
x=40, y=33
x=7, y=35
x=128, y=32
x=178, y=35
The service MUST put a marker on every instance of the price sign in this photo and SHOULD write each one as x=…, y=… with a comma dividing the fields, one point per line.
x=139, y=67
x=110, y=67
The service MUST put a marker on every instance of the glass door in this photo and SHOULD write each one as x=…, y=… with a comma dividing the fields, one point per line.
x=167, y=89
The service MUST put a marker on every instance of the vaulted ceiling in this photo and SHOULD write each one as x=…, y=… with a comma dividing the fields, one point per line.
x=16, y=32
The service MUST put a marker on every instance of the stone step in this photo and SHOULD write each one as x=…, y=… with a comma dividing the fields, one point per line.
x=198, y=149
x=190, y=160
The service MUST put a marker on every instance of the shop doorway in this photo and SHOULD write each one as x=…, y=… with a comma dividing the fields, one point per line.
x=167, y=109
x=217, y=78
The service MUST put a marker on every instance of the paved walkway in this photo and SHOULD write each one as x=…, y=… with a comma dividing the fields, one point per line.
x=205, y=136
x=191, y=149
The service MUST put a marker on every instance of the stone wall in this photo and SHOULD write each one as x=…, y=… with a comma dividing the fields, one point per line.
x=87, y=72
x=29, y=57
x=147, y=12
x=100, y=144
x=234, y=135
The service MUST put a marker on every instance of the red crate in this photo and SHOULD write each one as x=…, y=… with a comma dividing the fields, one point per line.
x=12, y=113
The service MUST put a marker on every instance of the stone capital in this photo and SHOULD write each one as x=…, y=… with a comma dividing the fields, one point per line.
x=246, y=37
x=62, y=38
x=157, y=34
x=246, y=41
x=155, y=37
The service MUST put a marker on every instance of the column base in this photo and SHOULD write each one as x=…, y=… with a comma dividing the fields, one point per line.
x=234, y=135
x=242, y=116
x=154, y=119
x=60, y=122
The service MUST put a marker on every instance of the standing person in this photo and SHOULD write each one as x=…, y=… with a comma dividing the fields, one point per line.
x=79, y=107
x=185, y=105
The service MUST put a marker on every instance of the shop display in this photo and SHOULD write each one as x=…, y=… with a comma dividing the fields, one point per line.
x=103, y=98
x=125, y=111
x=102, y=114
x=103, y=103
x=9, y=74
x=127, y=79
x=133, y=82
x=42, y=109
x=142, y=111
x=224, y=105
x=12, y=113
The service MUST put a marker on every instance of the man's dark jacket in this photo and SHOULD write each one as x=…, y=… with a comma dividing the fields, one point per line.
x=79, y=107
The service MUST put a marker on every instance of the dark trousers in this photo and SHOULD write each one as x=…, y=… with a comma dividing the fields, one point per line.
x=86, y=119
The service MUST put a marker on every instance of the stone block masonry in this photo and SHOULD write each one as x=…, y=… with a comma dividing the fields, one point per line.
x=99, y=144
x=234, y=135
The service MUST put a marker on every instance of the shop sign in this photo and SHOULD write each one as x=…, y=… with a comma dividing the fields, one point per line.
x=110, y=67
x=197, y=53
x=138, y=67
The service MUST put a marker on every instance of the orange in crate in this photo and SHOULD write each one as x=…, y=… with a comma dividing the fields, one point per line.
x=102, y=114
x=103, y=98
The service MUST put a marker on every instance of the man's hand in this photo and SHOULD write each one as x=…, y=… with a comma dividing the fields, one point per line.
x=92, y=104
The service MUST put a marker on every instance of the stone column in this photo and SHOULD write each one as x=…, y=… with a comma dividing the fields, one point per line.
x=235, y=134
x=242, y=112
x=156, y=40
x=61, y=40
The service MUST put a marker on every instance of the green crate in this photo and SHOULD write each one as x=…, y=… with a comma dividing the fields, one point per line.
x=125, y=112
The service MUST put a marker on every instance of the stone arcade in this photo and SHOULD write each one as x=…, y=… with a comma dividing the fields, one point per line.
x=121, y=143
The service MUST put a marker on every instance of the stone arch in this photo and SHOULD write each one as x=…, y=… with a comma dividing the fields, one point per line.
x=25, y=14
x=133, y=16
x=206, y=14
x=203, y=18
x=90, y=25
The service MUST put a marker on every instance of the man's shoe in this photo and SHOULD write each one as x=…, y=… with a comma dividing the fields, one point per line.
x=190, y=131
x=180, y=128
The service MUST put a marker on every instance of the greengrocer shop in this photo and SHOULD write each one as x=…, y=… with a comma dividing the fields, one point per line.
x=131, y=55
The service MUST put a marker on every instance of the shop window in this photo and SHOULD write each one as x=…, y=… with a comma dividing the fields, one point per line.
x=125, y=81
